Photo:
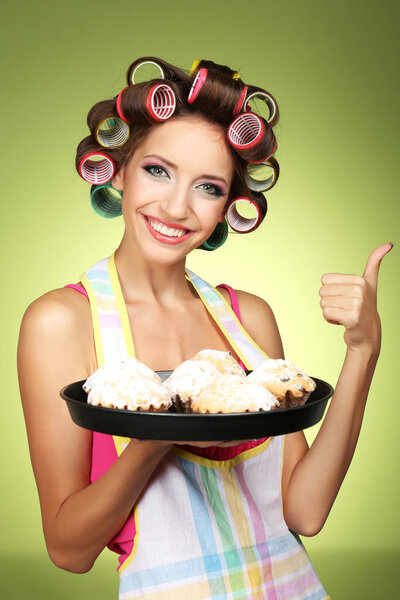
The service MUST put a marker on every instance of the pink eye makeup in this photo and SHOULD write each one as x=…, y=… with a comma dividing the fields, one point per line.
x=152, y=168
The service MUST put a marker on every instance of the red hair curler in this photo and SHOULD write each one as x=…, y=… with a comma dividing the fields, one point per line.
x=258, y=162
x=96, y=168
x=246, y=131
x=242, y=224
x=197, y=85
x=118, y=104
x=240, y=101
x=161, y=102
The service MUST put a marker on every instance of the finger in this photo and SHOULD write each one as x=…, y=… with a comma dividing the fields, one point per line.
x=334, y=315
x=371, y=270
x=348, y=304
x=340, y=278
x=340, y=316
x=343, y=289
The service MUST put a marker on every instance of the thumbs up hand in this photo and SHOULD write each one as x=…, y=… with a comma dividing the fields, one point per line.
x=350, y=300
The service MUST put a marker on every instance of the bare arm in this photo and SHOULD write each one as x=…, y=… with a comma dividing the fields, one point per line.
x=315, y=480
x=312, y=476
x=79, y=518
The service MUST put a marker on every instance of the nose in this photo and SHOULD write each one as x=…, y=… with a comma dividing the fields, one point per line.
x=176, y=203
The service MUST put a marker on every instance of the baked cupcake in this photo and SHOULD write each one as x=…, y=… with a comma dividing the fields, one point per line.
x=285, y=380
x=188, y=380
x=222, y=361
x=231, y=394
x=127, y=384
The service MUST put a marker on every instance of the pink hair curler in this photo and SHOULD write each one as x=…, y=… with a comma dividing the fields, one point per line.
x=240, y=101
x=118, y=104
x=246, y=131
x=242, y=224
x=161, y=102
x=112, y=132
x=197, y=85
x=269, y=101
x=96, y=168
x=147, y=62
x=262, y=185
x=258, y=162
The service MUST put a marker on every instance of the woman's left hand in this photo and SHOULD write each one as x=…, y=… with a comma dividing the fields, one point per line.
x=350, y=300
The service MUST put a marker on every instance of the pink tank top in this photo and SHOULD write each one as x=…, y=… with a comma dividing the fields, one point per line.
x=104, y=453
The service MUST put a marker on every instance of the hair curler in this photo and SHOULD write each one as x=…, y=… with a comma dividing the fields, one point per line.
x=106, y=201
x=96, y=168
x=146, y=62
x=217, y=238
x=112, y=132
x=246, y=131
x=197, y=85
x=258, y=162
x=269, y=101
x=262, y=185
x=161, y=102
x=242, y=224
x=240, y=101
x=118, y=105
x=194, y=66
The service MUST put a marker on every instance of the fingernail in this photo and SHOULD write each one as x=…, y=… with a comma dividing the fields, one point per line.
x=391, y=244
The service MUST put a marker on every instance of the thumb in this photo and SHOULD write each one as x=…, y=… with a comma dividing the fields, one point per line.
x=374, y=260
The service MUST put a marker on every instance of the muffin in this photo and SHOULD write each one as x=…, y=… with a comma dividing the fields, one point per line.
x=188, y=380
x=231, y=394
x=285, y=380
x=127, y=384
x=223, y=361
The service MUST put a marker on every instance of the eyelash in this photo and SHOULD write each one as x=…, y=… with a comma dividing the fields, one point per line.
x=218, y=191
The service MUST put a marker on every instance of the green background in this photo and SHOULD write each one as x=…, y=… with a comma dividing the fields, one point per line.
x=333, y=68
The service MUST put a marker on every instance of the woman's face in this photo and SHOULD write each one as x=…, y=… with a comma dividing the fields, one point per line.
x=175, y=187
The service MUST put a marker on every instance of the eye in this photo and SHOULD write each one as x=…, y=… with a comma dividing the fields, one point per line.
x=155, y=170
x=213, y=190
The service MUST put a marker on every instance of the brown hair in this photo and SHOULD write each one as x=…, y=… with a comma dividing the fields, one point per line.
x=215, y=103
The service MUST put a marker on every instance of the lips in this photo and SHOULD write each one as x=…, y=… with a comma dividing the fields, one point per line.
x=163, y=237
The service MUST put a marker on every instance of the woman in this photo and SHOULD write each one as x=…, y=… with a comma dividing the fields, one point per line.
x=178, y=177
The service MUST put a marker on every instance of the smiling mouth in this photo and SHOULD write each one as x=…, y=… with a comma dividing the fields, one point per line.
x=172, y=236
x=165, y=230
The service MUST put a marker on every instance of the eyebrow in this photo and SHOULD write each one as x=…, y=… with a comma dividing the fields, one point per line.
x=170, y=164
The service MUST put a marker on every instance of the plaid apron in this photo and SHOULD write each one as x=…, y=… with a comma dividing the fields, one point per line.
x=204, y=529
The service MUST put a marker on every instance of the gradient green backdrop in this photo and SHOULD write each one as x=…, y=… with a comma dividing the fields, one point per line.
x=333, y=68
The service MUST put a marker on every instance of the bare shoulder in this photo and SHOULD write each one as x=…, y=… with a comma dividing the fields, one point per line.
x=53, y=351
x=59, y=321
x=259, y=321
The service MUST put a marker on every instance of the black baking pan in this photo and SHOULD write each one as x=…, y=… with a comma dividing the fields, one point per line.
x=195, y=427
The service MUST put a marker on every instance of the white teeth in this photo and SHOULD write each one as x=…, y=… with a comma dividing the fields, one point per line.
x=166, y=230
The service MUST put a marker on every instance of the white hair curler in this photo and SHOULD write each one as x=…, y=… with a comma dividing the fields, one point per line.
x=269, y=101
x=112, y=132
x=96, y=168
x=197, y=84
x=161, y=102
x=262, y=185
x=246, y=131
x=147, y=62
x=242, y=224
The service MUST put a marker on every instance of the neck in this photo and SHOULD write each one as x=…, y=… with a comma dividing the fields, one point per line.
x=150, y=282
